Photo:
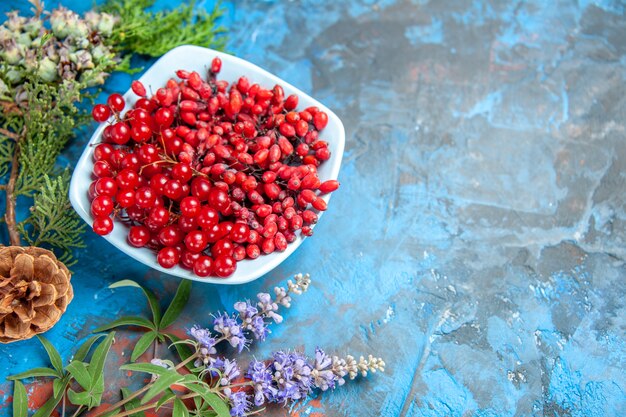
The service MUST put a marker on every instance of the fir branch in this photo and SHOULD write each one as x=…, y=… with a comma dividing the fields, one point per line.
x=52, y=221
x=49, y=123
x=155, y=33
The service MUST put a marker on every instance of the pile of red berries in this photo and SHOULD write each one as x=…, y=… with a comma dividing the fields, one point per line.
x=206, y=173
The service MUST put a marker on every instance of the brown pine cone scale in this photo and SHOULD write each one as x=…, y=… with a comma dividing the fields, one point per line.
x=35, y=290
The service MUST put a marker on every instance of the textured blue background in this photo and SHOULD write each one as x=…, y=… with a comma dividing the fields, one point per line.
x=478, y=239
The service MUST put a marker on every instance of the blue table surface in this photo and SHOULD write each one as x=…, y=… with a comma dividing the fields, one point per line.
x=477, y=242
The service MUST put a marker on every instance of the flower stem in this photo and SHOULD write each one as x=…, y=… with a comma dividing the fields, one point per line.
x=77, y=412
x=9, y=214
x=152, y=405
x=137, y=393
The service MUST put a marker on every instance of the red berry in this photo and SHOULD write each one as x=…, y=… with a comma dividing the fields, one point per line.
x=328, y=186
x=173, y=190
x=291, y=102
x=125, y=198
x=127, y=178
x=170, y=236
x=102, y=169
x=168, y=257
x=182, y=172
x=319, y=204
x=102, y=206
x=164, y=117
x=222, y=247
x=253, y=251
x=116, y=102
x=145, y=197
x=218, y=199
x=320, y=120
x=239, y=233
x=203, y=266
x=280, y=242
x=216, y=65
x=138, y=236
x=268, y=245
x=106, y=186
x=188, y=259
x=225, y=266
x=138, y=88
x=201, y=187
x=102, y=152
x=196, y=241
x=100, y=113
x=120, y=133
x=208, y=217
x=159, y=216
x=140, y=132
x=190, y=206
x=102, y=225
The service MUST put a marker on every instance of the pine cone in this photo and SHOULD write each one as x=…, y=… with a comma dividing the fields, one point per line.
x=35, y=290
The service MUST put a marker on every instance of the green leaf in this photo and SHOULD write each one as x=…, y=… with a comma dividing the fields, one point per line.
x=168, y=395
x=79, y=371
x=96, y=391
x=148, y=368
x=96, y=366
x=142, y=345
x=178, y=303
x=83, y=350
x=58, y=385
x=79, y=398
x=217, y=404
x=132, y=404
x=20, y=400
x=126, y=321
x=53, y=354
x=152, y=300
x=180, y=410
x=160, y=385
x=33, y=373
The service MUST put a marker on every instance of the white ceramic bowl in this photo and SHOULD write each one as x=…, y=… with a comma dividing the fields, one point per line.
x=199, y=59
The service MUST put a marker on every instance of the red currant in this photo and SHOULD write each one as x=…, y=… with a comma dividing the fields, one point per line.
x=138, y=236
x=225, y=266
x=168, y=257
x=102, y=225
x=203, y=266
x=196, y=241
x=116, y=102
x=100, y=113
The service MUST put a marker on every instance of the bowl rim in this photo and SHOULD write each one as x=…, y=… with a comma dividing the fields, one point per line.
x=138, y=253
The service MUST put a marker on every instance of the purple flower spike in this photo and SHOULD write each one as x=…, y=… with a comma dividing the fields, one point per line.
x=231, y=330
x=230, y=371
x=251, y=319
x=262, y=378
x=322, y=373
x=206, y=345
x=239, y=403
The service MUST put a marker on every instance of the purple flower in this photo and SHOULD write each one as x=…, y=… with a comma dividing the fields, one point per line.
x=268, y=307
x=251, y=319
x=231, y=330
x=322, y=373
x=239, y=403
x=206, y=345
x=292, y=376
x=262, y=378
x=229, y=370
x=203, y=337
